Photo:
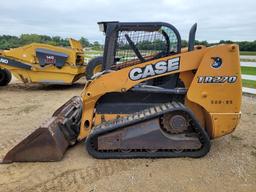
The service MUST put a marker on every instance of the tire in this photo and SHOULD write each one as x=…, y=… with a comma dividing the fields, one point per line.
x=94, y=65
x=5, y=77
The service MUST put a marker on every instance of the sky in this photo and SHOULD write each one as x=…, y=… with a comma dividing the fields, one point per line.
x=217, y=20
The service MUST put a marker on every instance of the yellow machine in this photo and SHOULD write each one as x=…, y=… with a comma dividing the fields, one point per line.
x=152, y=99
x=42, y=63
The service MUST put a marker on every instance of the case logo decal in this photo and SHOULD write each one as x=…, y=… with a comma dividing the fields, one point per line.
x=158, y=68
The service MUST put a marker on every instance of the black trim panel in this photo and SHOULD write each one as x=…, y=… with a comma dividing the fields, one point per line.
x=13, y=63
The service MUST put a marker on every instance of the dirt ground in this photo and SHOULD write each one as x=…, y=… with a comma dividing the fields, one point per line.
x=229, y=166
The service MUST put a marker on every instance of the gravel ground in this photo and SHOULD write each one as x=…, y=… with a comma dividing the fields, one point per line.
x=229, y=166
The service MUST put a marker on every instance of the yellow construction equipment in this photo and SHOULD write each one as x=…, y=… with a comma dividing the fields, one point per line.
x=42, y=63
x=152, y=99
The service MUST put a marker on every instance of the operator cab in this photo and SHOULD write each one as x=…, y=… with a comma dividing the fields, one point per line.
x=130, y=43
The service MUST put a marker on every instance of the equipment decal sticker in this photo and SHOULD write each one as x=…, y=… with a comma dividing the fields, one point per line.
x=158, y=68
x=217, y=79
x=217, y=62
x=50, y=59
x=3, y=60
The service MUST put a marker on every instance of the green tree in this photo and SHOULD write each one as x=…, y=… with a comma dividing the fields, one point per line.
x=96, y=45
x=9, y=41
x=184, y=43
x=85, y=42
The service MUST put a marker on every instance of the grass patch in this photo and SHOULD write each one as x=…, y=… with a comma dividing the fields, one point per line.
x=249, y=83
x=248, y=60
x=247, y=52
x=94, y=52
x=248, y=70
x=89, y=56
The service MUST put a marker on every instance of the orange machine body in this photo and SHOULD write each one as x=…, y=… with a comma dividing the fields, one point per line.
x=214, y=92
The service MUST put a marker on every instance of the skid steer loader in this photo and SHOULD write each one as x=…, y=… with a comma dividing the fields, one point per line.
x=42, y=63
x=152, y=99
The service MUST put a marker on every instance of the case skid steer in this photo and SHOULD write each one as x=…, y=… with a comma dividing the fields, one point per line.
x=42, y=63
x=152, y=99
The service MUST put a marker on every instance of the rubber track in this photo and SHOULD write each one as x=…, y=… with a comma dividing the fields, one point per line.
x=142, y=116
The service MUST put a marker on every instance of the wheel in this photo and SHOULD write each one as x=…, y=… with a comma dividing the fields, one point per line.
x=94, y=66
x=5, y=77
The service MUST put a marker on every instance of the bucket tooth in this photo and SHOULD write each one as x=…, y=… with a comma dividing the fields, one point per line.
x=50, y=141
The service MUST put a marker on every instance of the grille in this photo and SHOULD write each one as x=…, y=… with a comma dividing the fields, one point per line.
x=150, y=44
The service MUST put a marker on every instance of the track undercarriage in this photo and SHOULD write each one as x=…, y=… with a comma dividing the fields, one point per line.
x=146, y=134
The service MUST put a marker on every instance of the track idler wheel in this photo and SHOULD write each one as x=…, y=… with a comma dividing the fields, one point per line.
x=175, y=123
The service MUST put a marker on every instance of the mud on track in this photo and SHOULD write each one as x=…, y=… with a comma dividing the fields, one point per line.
x=230, y=166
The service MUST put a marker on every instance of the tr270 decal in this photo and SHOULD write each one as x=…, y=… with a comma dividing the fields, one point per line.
x=216, y=79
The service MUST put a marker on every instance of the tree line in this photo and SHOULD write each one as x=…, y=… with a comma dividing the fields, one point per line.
x=9, y=41
x=160, y=45
x=243, y=45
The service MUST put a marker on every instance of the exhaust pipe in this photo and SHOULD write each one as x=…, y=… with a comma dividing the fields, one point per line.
x=51, y=140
